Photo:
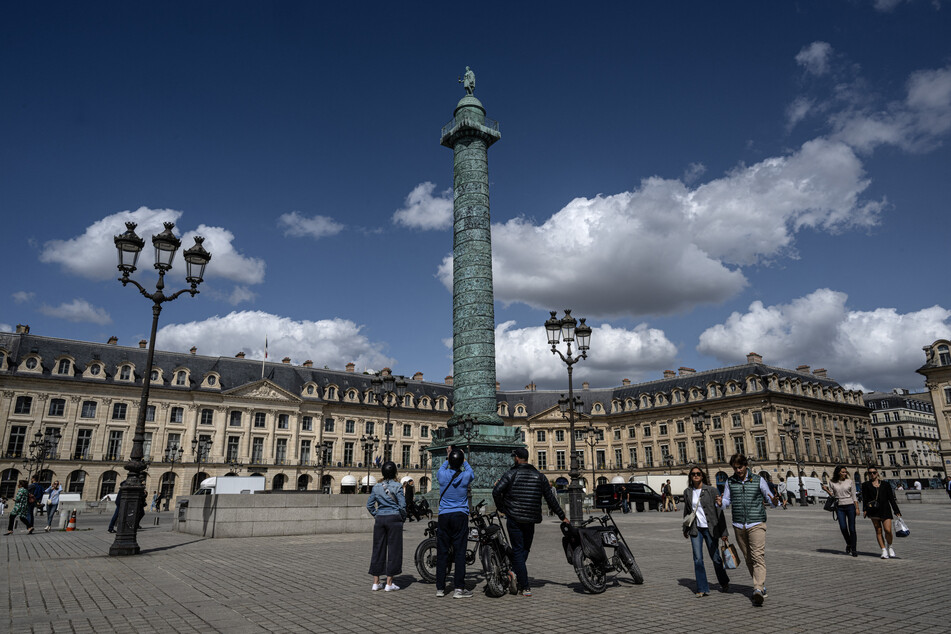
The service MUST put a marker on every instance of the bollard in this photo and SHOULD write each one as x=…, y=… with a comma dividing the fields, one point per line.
x=156, y=522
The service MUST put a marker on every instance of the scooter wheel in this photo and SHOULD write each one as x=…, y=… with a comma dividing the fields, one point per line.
x=590, y=574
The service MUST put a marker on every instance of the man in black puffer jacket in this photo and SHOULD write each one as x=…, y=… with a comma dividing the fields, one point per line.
x=518, y=494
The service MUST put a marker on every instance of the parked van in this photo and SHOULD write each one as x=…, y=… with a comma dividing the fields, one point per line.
x=219, y=485
x=677, y=483
x=812, y=487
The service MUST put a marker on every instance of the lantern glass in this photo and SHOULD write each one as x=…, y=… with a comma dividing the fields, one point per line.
x=401, y=388
x=166, y=245
x=196, y=258
x=553, y=326
x=568, y=324
x=583, y=335
x=128, y=246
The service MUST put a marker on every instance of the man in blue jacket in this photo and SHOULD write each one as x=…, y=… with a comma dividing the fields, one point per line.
x=454, y=476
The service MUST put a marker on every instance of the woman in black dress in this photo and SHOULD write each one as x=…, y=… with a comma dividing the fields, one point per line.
x=878, y=504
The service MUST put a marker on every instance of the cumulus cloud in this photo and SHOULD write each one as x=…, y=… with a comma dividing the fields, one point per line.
x=666, y=247
x=22, y=297
x=693, y=172
x=316, y=227
x=5, y=327
x=522, y=356
x=93, y=254
x=241, y=294
x=797, y=111
x=814, y=58
x=422, y=210
x=78, y=310
x=330, y=342
x=877, y=349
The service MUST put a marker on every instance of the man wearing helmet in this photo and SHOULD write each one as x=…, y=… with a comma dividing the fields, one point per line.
x=518, y=494
x=454, y=476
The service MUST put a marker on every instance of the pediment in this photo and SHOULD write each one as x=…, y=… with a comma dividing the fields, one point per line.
x=553, y=415
x=263, y=390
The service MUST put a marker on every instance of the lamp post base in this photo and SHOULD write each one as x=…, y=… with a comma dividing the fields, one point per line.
x=132, y=494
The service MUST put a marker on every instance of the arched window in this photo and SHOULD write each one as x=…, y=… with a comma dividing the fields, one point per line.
x=76, y=482
x=125, y=373
x=278, y=482
x=8, y=483
x=181, y=377
x=303, y=481
x=944, y=355
x=167, y=486
x=108, y=485
x=200, y=477
x=64, y=366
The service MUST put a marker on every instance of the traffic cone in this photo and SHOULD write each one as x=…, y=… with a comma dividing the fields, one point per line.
x=72, y=522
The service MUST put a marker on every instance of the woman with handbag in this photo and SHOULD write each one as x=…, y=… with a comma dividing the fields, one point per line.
x=388, y=505
x=20, y=504
x=878, y=503
x=842, y=489
x=703, y=524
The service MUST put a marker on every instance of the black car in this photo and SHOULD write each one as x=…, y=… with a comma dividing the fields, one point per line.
x=638, y=495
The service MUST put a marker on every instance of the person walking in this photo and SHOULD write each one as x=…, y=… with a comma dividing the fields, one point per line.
x=155, y=501
x=947, y=485
x=878, y=504
x=747, y=494
x=387, y=505
x=518, y=494
x=843, y=490
x=54, y=490
x=20, y=509
x=664, y=496
x=34, y=497
x=115, y=514
x=454, y=477
x=706, y=526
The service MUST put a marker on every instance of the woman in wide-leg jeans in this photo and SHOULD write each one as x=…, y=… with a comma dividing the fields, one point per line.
x=843, y=489
x=706, y=528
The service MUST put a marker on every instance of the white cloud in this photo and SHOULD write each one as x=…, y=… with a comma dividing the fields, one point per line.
x=797, y=111
x=877, y=349
x=522, y=356
x=22, y=297
x=316, y=227
x=241, y=294
x=665, y=247
x=5, y=327
x=815, y=58
x=331, y=342
x=78, y=310
x=886, y=5
x=693, y=172
x=93, y=254
x=422, y=210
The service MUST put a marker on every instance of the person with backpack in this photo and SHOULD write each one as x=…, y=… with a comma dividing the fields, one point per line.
x=388, y=507
x=518, y=494
x=34, y=497
x=454, y=477
x=20, y=504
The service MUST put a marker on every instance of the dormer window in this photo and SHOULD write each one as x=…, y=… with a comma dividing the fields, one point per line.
x=64, y=366
x=181, y=377
x=212, y=380
x=154, y=375
x=31, y=363
x=944, y=355
x=95, y=369
x=125, y=373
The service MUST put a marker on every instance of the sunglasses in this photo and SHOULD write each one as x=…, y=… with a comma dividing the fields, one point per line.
x=696, y=475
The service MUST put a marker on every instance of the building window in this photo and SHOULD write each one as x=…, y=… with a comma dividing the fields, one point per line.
x=147, y=445
x=350, y=427
x=114, y=449
x=737, y=421
x=23, y=405
x=599, y=458
x=212, y=380
x=944, y=356
x=542, y=462
x=57, y=407
x=328, y=425
x=257, y=450
x=407, y=431
x=757, y=418
x=95, y=369
x=348, y=454
x=632, y=456
x=260, y=419
x=150, y=414
x=153, y=376
x=234, y=419
x=31, y=363
x=125, y=373
x=717, y=423
x=680, y=427
x=407, y=454
x=632, y=432
x=719, y=449
x=388, y=429
x=177, y=415
x=83, y=440
x=231, y=453
x=368, y=428
x=283, y=421
x=560, y=459
x=16, y=442
x=662, y=429
x=682, y=451
x=647, y=431
x=424, y=431
x=180, y=377
x=307, y=423
x=280, y=451
x=540, y=435
x=305, y=452
x=88, y=409
x=559, y=435
x=207, y=417
x=119, y=411
x=739, y=445
x=648, y=456
x=947, y=395
x=64, y=366
x=760, y=447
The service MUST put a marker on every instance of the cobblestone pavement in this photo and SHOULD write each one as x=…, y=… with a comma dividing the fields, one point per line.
x=65, y=582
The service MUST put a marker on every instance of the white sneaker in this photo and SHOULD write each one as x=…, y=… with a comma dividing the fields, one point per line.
x=884, y=553
x=391, y=588
x=377, y=586
x=891, y=552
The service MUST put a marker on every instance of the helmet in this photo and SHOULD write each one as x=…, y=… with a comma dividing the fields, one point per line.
x=389, y=470
x=456, y=458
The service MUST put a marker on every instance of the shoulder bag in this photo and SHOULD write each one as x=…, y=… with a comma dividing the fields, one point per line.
x=832, y=504
x=873, y=505
x=731, y=559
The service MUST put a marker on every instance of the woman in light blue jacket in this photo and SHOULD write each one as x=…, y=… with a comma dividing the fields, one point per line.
x=54, y=492
x=388, y=505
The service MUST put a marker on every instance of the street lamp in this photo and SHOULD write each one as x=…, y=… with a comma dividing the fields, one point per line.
x=369, y=443
x=381, y=388
x=325, y=447
x=466, y=427
x=568, y=329
x=792, y=428
x=863, y=445
x=700, y=424
x=592, y=439
x=234, y=466
x=200, y=449
x=128, y=246
x=42, y=447
x=916, y=458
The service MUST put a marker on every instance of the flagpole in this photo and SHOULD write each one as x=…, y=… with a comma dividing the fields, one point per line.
x=265, y=356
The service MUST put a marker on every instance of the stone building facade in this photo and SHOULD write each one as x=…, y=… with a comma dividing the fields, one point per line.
x=273, y=419
x=905, y=434
x=937, y=373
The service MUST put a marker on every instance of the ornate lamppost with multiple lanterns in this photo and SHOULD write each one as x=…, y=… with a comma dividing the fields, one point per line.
x=702, y=426
x=200, y=449
x=369, y=444
x=323, y=457
x=42, y=448
x=166, y=245
x=568, y=329
x=381, y=387
x=792, y=429
x=592, y=437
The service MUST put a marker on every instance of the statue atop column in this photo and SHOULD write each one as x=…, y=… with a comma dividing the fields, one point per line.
x=468, y=81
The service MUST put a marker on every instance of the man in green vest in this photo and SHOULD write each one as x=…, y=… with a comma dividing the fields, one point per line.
x=746, y=495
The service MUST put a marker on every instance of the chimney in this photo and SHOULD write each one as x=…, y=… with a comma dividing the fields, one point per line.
x=754, y=358
x=626, y=382
x=802, y=368
x=585, y=385
x=286, y=360
x=449, y=380
x=112, y=341
x=498, y=386
x=351, y=367
x=240, y=355
x=386, y=372
x=23, y=329
x=530, y=387
x=308, y=363
x=418, y=376
x=193, y=350
x=669, y=374
x=686, y=371
x=820, y=372
x=143, y=343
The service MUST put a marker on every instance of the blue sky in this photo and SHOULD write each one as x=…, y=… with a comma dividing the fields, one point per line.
x=700, y=180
